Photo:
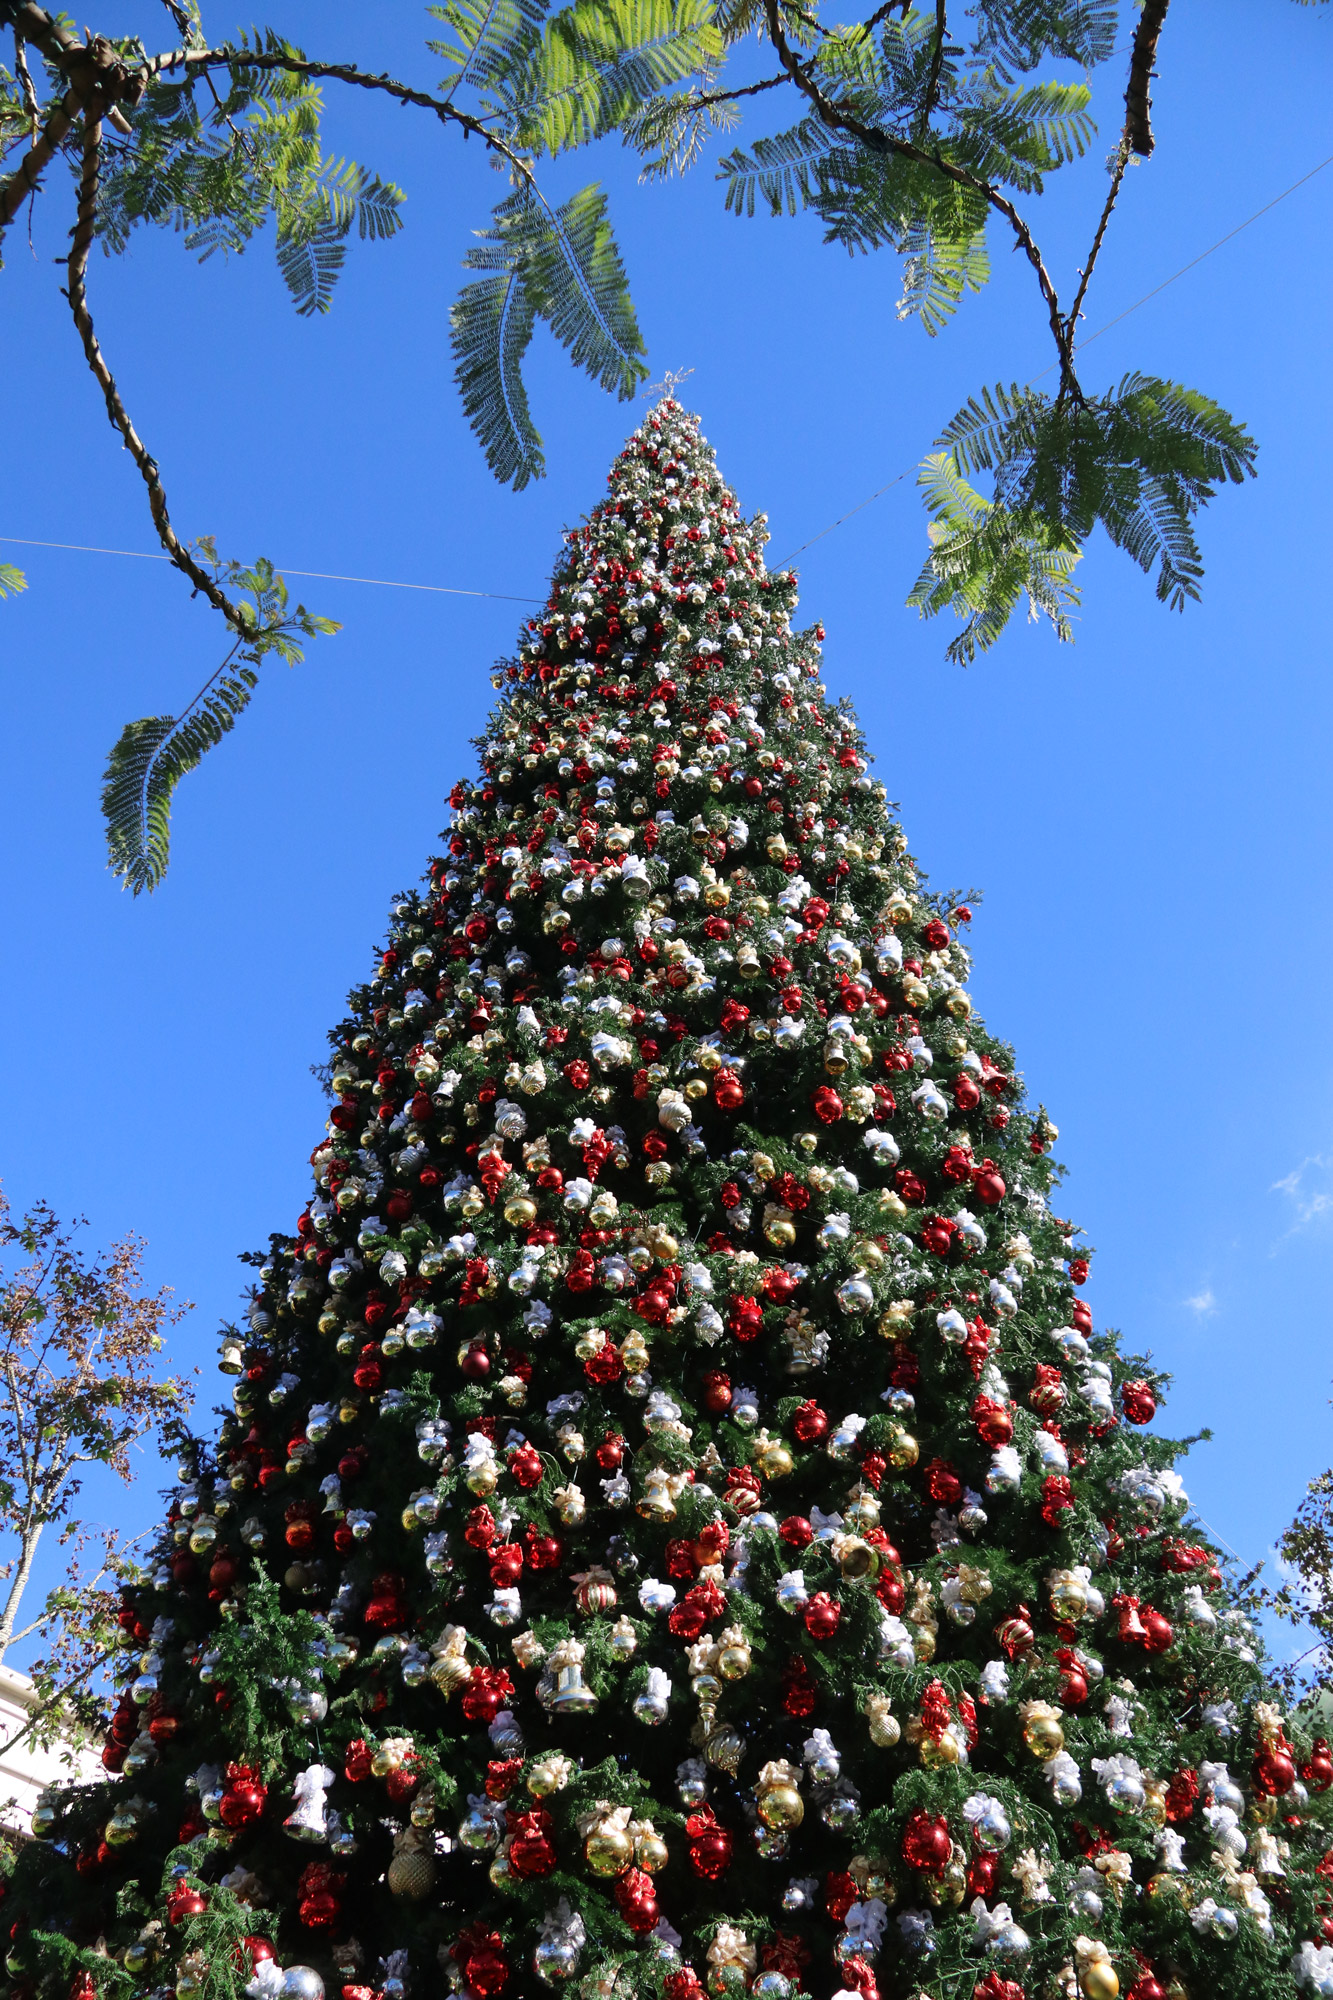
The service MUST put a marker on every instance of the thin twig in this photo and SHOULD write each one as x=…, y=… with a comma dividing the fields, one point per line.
x=743, y=90
x=84, y=1674
x=840, y=119
x=21, y=71
x=84, y=231
x=229, y=58
x=936, y=65
x=1122, y=158
x=868, y=28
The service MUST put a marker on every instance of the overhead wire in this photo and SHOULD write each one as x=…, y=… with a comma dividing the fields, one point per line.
x=1087, y=341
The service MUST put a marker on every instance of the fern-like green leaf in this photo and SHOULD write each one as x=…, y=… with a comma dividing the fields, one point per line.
x=492, y=322
x=671, y=130
x=489, y=39
x=12, y=581
x=148, y=761
x=557, y=264
x=598, y=62
x=984, y=560
x=1140, y=461
x=1016, y=35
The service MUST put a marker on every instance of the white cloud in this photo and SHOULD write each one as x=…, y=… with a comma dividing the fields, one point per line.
x=1203, y=1303
x=1309, y=1189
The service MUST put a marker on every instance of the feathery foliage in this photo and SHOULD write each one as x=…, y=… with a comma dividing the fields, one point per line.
x=983, y=560
x=12, y=580
x=1140, y=460
x=921, y=129
x=154, y=753
x=218, y=168
x=560, y=265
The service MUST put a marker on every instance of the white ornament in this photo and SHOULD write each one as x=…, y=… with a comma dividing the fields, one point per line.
x=307, y=1821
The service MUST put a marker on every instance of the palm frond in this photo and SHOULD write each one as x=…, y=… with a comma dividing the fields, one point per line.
x=12, y=581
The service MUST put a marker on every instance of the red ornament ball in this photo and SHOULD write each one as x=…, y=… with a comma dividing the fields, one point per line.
x=823, y=1615
x=1138, y=1402
x=926, y=1842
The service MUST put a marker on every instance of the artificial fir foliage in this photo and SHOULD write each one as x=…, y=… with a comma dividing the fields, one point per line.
x=679, y=1526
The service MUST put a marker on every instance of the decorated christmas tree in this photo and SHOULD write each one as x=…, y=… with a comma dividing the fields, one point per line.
x=680, y=1526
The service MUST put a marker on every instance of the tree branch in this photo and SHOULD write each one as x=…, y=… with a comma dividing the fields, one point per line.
x=1138, y=91
x=229, y=58
x=839, y=119
x=742, y=90
x=30, y=104
x=1085, y=276
x=76, y=292
x=936, y=64
x=903, y=7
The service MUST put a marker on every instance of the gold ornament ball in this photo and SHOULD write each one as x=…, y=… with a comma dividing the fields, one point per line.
x=935, y=1756
x=780, y=1233
x=608, y=1853
x=1099, y=1981
x=650, y=1853
x=733, y=1662
x=411, y=1875
x=781, y=1807
x=521, y=1212
x=774, y=1461
x=1044, y=1736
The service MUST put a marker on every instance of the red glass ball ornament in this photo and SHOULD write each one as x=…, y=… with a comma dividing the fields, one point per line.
x=1274, y=1771
x=1138, y=1402
x=636, y=1899
x=926, y=1842
x=184, y=1902
x=475, y=1364
x=525, y=1467
x=1074, y=1690
x=1318, y=1773
x=810, y=1423
x=715, y=1392
x=823, y=1615
x=710, y=1845
x=531, y=1849
x=320, y=1910
x=797, y=1532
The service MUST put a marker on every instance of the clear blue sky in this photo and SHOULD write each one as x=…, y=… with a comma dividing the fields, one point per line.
x=1148, y=813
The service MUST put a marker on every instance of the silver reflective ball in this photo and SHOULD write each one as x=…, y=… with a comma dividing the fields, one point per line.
x=302, y=1982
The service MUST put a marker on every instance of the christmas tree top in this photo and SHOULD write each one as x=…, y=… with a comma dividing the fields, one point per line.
x=680, y=1526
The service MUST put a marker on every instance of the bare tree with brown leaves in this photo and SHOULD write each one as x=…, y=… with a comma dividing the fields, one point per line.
x=79, y=1342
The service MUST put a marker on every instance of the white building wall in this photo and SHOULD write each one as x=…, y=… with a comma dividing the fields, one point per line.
x=26, y=1768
